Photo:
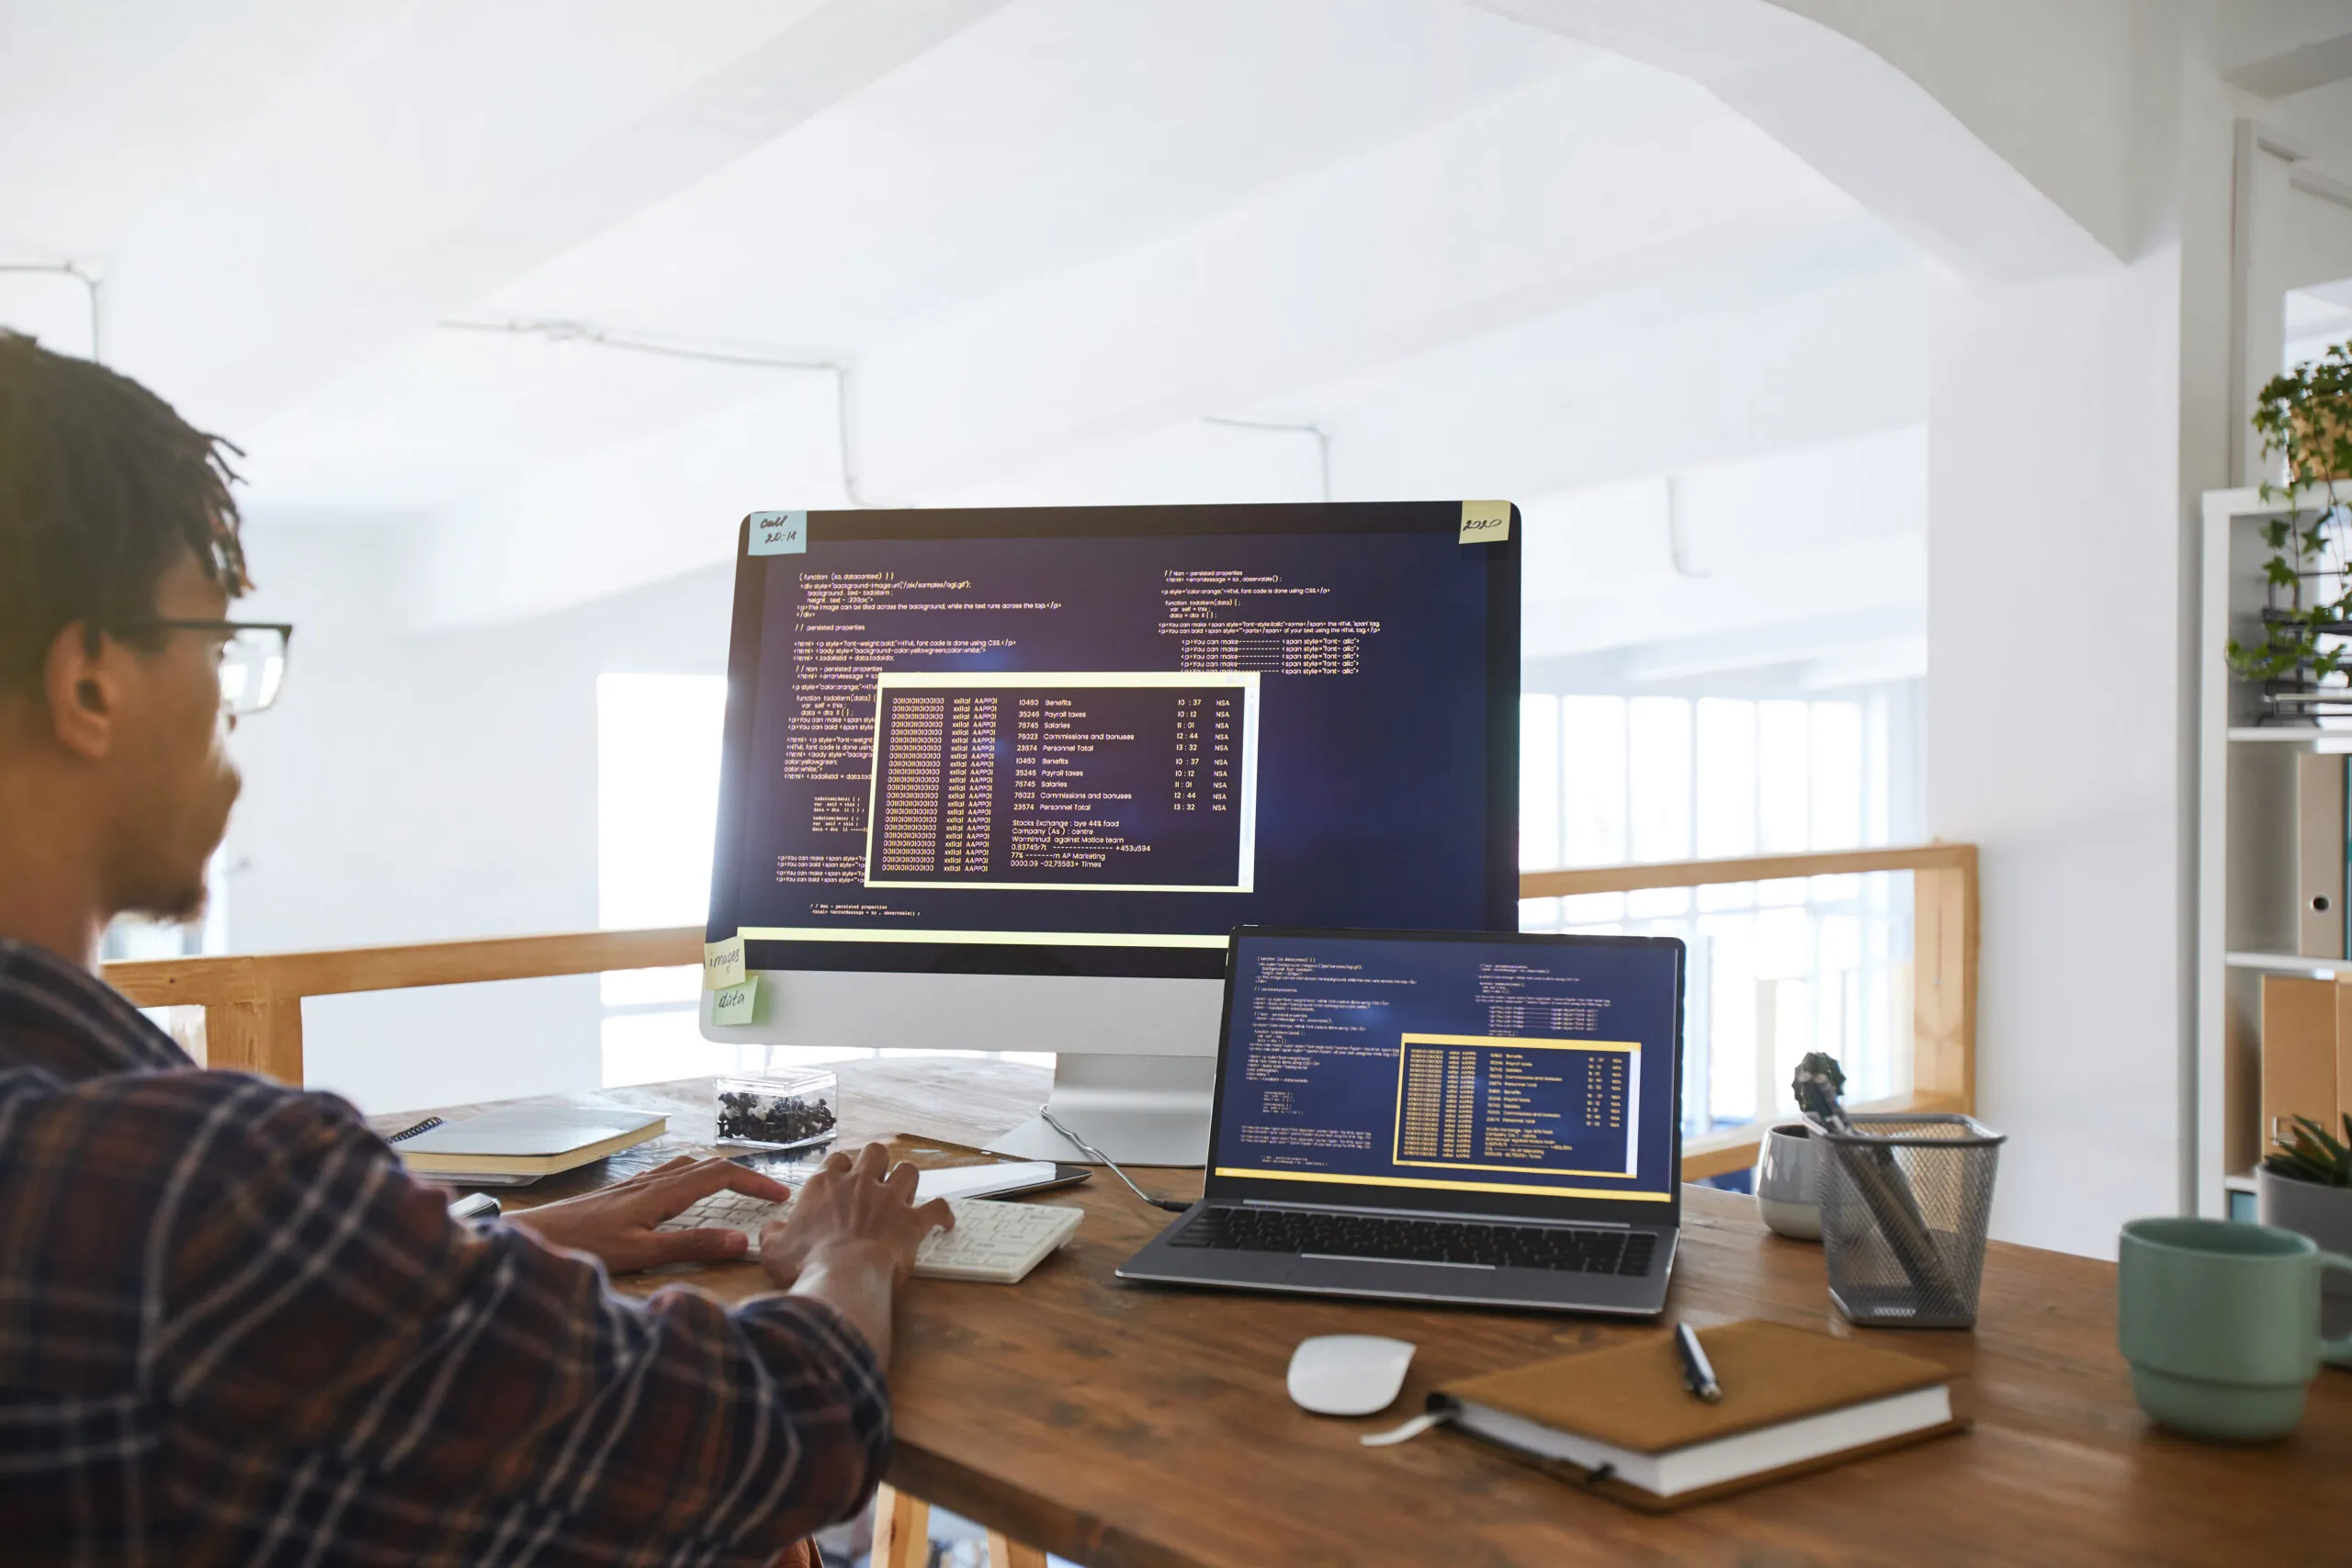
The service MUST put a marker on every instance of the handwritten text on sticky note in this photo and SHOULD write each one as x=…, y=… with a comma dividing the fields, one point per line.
x=779, y=532
x=733, y=1005
x=1484, y=521
x=722, y=964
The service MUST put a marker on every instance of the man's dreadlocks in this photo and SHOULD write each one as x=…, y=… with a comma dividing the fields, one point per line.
x=102, y=487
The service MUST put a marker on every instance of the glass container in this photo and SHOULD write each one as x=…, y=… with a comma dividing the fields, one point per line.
x=786, y=1109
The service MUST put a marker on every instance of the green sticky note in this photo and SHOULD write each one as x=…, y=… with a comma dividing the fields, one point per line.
x=1484, y=521
x=733, y=1005
x=779, y=532
x=722, y=964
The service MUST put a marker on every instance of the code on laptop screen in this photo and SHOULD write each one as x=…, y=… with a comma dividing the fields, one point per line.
x=1484, y=1066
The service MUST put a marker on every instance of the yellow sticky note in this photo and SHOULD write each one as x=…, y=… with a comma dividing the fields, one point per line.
x=722, y=964
x=1486, y=522
x=733, y=1005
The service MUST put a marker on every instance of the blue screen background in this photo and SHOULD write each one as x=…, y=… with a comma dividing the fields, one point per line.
x=1334, y=1064
x=1372, y=806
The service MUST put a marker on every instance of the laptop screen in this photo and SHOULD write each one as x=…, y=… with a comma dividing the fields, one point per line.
x=1451, y=1072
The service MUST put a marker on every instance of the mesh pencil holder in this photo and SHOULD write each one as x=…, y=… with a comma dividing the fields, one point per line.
x=1904, y=1203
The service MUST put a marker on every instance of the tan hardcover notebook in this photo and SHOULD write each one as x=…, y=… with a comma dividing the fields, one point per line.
x=526, y=1141
x=2298, y=1055
x=2343, y=1048
x=1620, y=1421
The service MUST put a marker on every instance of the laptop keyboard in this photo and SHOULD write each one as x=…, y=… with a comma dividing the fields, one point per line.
x=1561, y=1249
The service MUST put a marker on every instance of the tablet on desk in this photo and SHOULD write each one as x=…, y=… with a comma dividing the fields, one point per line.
x=950, y=1170
x=998, y=1181
x=959, y=1170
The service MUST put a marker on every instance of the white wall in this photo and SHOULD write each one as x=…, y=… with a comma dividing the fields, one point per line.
x=418, y=787
x=2071, y=426
x=2053, y=730
x=1716, y=553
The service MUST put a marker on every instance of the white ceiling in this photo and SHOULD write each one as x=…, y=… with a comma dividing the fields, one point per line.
x=1048, y=134
x=107, y=106
x=1049, y=238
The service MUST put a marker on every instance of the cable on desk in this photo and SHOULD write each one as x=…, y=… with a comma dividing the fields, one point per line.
x=1171, y=1205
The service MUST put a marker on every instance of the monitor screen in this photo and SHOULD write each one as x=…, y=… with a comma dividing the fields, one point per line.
x=1414, y=1072
x=1094, y=740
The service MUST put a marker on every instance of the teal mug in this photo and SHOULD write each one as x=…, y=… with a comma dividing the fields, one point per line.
x=2219, y=1321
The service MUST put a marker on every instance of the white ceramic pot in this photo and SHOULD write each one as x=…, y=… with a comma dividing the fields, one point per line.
x=2323, y=1213
x=1788, y=1181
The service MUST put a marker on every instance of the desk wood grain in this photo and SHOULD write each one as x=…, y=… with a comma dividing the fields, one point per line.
x=1130, y=1427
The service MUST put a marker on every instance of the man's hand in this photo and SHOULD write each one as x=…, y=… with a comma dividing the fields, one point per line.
x=850, y=1209
x=851, y=1240
x=616, y=1223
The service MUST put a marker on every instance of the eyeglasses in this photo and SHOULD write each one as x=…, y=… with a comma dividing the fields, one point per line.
x=252, y=658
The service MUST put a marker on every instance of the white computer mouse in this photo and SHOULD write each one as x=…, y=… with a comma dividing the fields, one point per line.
x=1348, y=1375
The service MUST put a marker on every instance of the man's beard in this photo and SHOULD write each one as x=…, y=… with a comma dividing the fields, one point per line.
x=165, y=880
x=175, y=905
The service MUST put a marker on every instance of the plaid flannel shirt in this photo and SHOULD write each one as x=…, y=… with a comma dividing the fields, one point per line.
x=232, y=1330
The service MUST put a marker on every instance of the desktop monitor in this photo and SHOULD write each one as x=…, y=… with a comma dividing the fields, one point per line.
x=1005, y=780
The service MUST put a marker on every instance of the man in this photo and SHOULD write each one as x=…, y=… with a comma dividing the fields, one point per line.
x=231, y=1329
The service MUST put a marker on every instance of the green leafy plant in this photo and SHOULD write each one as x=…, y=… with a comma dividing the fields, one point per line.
x=2305, y=417
x=2313, y=1154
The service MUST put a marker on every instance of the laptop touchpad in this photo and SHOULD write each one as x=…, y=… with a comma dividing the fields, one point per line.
x=1380, y=1275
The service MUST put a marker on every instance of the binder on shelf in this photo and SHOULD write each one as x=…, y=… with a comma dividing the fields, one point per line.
x=2299, y=1047
x=2319, y=856
x=2343, y=1052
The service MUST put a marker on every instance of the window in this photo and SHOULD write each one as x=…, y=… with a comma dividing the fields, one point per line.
x=657, y=742
x=1777, y=968
x=657, y=808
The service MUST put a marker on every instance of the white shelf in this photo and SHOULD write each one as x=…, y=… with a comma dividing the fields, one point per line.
x=2289, y=963
x=2321, y=740
x=2243, y=869
x=2248, y=501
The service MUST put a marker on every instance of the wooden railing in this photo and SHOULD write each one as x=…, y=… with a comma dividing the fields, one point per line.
x=252, y=1004
x=1943, y=964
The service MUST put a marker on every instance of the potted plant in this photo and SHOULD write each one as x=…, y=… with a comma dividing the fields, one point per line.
x=2305, y=1185
x=2305, y=417
x=1788, y=1160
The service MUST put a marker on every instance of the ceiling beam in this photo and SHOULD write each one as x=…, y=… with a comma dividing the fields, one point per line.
x=1866, y=122
x=1886, y=574
x=1624, y=386
x=1579, y=399
x=1495, y=218
x=2276, y=48
x=454, y=148
x=105, y=109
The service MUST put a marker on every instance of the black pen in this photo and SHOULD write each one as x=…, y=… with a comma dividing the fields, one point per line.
x=1698, y=1374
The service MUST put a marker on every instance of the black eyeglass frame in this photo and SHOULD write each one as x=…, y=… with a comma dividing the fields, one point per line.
x=284, y=629
x=226, y=629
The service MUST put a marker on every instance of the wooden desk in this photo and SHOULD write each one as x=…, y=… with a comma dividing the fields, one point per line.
x=1127, y=1426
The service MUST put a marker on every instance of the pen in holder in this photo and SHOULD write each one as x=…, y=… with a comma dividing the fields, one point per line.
x=1905, y=1201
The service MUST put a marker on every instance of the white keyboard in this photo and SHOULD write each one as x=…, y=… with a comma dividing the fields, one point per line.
x=993, y=1242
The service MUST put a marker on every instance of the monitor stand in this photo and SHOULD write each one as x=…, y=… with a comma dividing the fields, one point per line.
x=1137, y=1109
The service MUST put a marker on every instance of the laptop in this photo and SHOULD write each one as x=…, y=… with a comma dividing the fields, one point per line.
x=1468, y=1117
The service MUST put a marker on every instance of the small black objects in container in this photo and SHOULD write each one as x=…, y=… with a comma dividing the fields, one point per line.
x=778, y=1111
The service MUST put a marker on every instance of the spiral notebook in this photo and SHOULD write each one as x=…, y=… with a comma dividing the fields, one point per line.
x=516, y=1144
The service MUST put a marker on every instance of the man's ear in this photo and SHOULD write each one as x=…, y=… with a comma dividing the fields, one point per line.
x=84, y=690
